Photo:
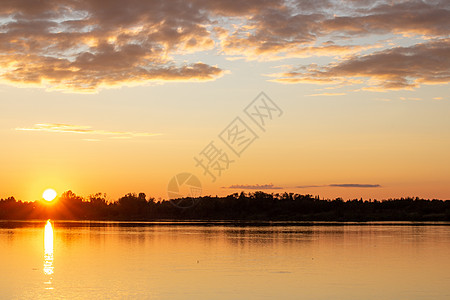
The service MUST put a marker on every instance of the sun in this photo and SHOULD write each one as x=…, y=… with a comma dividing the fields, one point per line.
x=49, y=194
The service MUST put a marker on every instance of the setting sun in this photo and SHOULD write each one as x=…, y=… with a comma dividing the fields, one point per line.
x=49, y=194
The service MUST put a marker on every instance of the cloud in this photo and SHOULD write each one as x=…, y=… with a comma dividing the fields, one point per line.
x=402, y=17
x=87, y=130
x=396, y=68
x=343, y=185
x=327, y=94
x=411, y=98
x=272, y=187
x=86, y=45
x=290, y=30
x=253, y=187
x=298, y=51
x=355, y=185
x=309, y=186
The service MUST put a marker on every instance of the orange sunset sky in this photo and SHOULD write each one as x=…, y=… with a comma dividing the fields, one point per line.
x=120, y=96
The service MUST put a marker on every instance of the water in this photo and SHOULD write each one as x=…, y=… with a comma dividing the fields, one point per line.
x=82, y=260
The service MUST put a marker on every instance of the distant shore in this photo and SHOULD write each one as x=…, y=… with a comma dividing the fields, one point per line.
x=258, y=206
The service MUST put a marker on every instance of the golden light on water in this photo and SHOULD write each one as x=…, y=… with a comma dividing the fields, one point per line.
x=48, y=248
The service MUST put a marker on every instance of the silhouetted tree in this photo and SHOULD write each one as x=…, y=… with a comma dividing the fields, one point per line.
x=68, y=206
x=242, y=206
x=133, y=206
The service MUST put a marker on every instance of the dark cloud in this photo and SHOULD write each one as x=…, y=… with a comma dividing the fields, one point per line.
x=253, y=187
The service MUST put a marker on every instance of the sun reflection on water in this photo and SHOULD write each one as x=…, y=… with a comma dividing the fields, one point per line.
x=48, y=248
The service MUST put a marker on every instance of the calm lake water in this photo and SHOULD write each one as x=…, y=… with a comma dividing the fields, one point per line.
x=110, y=260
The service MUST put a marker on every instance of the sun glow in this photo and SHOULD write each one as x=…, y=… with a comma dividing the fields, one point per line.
x=49, y=194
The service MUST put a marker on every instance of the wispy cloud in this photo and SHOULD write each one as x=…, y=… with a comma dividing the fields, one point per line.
x=343, y=185
x=253, y=187
x=410, y=98
x=309, y=186
x=355, y=185
x=327, y=94
x=86, y=130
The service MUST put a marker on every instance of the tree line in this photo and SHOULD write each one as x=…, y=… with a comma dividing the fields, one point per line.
x=237, y=206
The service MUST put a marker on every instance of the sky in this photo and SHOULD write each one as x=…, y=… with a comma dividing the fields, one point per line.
x=332, y=98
